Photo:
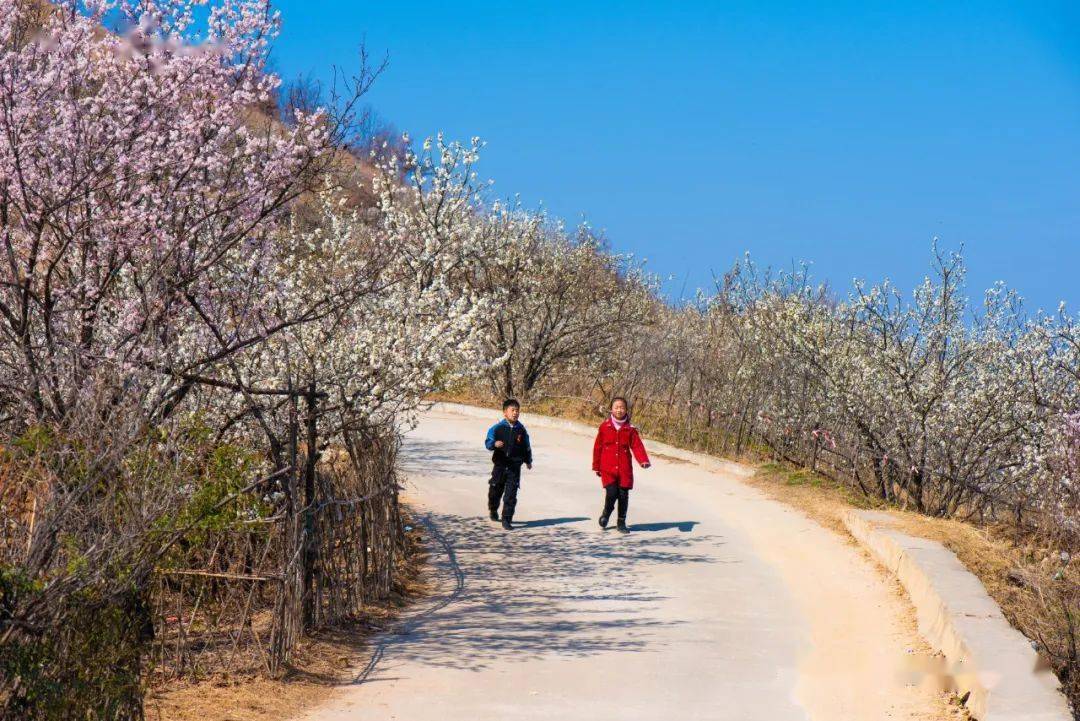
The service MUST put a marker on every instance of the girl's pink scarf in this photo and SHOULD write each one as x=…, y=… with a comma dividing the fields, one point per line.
x=619, y=424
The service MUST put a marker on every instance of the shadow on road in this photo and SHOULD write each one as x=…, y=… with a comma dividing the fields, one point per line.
x=684, y=526
x=541, y=522
x=555, y=590
x=552, y=588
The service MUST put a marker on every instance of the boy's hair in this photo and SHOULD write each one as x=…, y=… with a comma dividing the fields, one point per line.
x=511, y=402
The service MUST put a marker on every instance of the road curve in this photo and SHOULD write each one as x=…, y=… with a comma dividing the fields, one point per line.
x=721, y=604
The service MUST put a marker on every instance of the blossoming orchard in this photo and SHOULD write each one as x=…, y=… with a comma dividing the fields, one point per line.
x=217, y=316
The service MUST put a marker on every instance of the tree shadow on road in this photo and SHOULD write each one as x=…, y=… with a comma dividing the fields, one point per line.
x=435, y=458
x=552, y=590
x=554, y=587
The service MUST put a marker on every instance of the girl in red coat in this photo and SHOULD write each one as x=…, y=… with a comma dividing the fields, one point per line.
x=616, y=440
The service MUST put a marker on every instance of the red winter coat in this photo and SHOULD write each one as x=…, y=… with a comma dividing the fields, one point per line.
x=611, y=454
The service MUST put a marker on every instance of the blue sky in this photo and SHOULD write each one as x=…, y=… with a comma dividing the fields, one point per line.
x=848, y=135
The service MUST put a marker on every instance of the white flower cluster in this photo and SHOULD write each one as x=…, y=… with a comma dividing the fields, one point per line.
x=564, y=303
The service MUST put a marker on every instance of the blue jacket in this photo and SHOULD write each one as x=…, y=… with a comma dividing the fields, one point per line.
x=516, y=446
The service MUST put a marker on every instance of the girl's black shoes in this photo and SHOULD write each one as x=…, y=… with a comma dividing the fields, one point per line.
x=494, y=515
x=621, y=527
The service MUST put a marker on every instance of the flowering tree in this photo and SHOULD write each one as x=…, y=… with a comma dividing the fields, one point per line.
x=394, y=310
x=917, y=399
x=132, y=166
x=139, y=189
x=566, y=302
x=1049, y=465
x=932, y=389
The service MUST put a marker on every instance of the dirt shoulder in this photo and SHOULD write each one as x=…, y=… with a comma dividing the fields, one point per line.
x=1028, y=583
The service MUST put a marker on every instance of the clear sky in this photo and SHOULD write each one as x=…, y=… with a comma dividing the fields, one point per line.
x=846, y=134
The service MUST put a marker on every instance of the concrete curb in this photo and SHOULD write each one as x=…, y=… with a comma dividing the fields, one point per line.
x=988, y=658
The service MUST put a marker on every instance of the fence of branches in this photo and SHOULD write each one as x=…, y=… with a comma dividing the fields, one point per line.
x=114, y=563
x=311, y=546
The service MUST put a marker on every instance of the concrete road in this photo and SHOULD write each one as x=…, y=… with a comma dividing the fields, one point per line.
x=721, y=603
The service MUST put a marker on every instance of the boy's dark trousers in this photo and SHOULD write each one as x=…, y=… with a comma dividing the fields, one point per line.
x=614, y=493
x=504, y=484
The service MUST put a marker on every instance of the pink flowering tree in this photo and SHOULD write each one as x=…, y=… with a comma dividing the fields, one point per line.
x=142, y=192
x=133, y=171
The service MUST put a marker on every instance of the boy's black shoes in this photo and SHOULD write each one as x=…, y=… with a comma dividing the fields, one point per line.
x=506, y=524
x=622, y=527
x=494, y=515
x=603, y=522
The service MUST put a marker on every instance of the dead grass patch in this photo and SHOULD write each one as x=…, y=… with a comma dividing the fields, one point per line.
x=817, y=496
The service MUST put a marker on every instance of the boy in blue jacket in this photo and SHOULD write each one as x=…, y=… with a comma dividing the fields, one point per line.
x=509, y=444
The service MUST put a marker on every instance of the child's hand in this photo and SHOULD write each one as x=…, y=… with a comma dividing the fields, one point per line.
x=645, y=465
x=599, y=474
x=529, y=466
x=499, y=444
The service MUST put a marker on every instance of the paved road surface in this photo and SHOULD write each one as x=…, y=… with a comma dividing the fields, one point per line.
x=721, y=604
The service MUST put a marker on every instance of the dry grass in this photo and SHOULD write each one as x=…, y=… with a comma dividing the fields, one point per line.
x=825, y=501
x=818, y=497
x=323, y=663
x=320, y=666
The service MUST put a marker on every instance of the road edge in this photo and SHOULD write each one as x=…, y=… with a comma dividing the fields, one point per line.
x=990, y=661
